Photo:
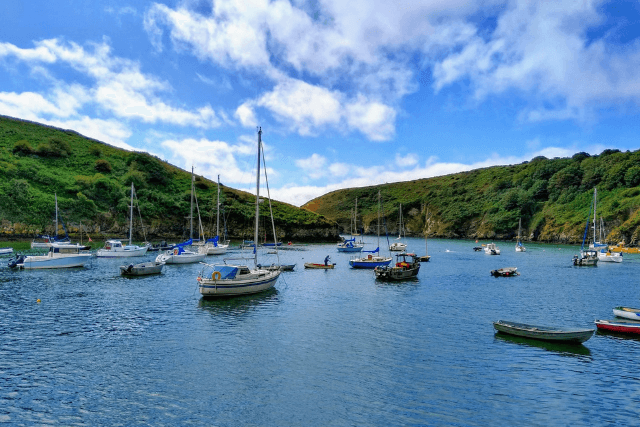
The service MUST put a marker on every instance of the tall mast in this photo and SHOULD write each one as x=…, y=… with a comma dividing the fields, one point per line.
x=191, y=215
x=218, y=211
x=595, y=192
x=255, y=234
x=56, y=196
x=355, y=218
x=378, y=222
x=131, y=215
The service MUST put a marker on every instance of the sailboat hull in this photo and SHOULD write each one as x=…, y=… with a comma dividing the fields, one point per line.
x=235, y=287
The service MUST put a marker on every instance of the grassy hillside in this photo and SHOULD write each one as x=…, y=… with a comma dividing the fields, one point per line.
x=552, y=196
x=92, y=181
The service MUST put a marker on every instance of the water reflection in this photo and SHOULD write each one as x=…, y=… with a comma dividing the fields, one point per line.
x=560, y=348
x=618, y=335
x=238, y=304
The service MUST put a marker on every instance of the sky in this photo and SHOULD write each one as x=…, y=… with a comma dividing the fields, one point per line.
x=347, y=93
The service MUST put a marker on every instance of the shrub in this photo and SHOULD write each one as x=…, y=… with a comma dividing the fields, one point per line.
x=103, y=166
x=54, y=147
x=23, y=148
x=95, y=151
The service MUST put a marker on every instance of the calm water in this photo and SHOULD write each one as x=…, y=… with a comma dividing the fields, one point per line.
x=323, y=348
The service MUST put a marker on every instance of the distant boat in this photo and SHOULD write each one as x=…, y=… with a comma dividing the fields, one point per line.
x=604, y=253
x=620, y=326
x=620, y=247
x=426, y=257
x=281, y=267
x=6, y=251
x=519, y=246
x=372, y=261
x=545, y=333
x=350, y=245
x=627, y=312
x=214, y=245
x=319, y=266
x=406, y=267
x=180, y=255
x=232, y=280
x=491, y=249
x=45, y=241
x=59, y=256
x=505, y=272
x=588, y=257
x=142, y=269
x=399, y=246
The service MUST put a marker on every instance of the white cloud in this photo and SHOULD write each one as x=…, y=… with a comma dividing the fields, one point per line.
x=410, y=159
x=314, y=166
x=245, y=114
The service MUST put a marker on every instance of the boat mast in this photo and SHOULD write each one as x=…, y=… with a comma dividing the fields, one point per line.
x=131, y=215
x=595, y=192
x=191, y=214
x=255, y=233
x=56, y=196
x=218, y=211
x=378, y=222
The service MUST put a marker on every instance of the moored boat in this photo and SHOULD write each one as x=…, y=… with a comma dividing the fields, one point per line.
x=319, y=266
x=180, y=255
x=142, y=269
x=627, y=313
x=59, y=256
x=608, y=256
x=281, y=267
x=6, y=251
x=407, y=266
x=505, y=272
x=620, y=326
x=588, y=257
x=545, y=333
x=491, y=249
x=372, y=261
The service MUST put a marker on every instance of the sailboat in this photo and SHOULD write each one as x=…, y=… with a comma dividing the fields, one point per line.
x=519, y=246
x=372, y=261
x=399, y=246
x=588, y=256
x=46, y=241
x=235, y=279
x=604, y=254
x=179, y=254
x=115, y=249
x=350, y=245
x=214, y=246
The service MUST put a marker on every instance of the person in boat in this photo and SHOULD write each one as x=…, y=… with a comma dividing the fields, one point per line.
x=326, y=260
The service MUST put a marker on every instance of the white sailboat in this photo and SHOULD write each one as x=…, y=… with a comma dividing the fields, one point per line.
x=588, y=256
x=180, y=254
x=115, y=249
x=374, y=259
x=236, y=279
x=47, y=241
x=604, y=254
x=399, y=246
x=519, y=246
x=350, y=245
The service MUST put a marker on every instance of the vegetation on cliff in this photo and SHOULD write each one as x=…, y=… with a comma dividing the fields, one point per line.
x=552, y=196
x=92, y=181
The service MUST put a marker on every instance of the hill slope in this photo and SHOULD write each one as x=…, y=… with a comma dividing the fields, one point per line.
x=552, y=196
x=92, y=181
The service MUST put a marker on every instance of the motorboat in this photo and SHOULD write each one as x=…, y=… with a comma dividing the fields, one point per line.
x=407, y=266
x=232, y=280
x=627, y=313
x=142, y=269
x=59, y=256
x=505, y=272
x=491, y=249
x=545, y=333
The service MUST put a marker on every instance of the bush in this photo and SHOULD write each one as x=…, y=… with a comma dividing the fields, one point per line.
x=103, y=166
x=23, y=148
x=95, y=151
x=54, y=147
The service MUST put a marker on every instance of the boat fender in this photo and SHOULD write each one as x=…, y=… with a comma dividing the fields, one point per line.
x=175, y=252
x=216, y=275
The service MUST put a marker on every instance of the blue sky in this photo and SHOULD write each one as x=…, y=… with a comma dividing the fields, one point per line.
x=347, y=93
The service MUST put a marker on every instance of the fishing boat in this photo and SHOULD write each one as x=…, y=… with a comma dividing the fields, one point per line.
x=142, y=269
x=372, y=261
x=399, y=246
x=491, y=249
x=180, y=255
x=115, y=249
x=545, y=333
x=620, y=326
x=350, y=245
x=59, y=256
x=519, y=246
x=588, y=256
x=505, y=272
x=407, y=266
x=319, y=266
x=627, y=312
x=232, y=280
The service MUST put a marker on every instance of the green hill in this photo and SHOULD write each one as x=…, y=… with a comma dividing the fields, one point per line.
x=552, y=196
x=92, y=181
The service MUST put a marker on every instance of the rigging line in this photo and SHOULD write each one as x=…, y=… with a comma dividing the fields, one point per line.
x=144, y=233
x=273, y=225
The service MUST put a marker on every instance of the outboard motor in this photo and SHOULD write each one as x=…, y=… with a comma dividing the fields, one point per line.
x=15, y=262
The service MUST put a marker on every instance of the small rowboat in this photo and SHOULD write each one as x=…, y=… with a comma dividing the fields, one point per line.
x=142, y=269
x=505, y=272
x=320, y=266
x=627, y=312
x=281, y=267
x=621, y=326
x=545, y=333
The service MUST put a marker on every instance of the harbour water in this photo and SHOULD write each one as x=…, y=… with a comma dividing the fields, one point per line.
x=325, y=347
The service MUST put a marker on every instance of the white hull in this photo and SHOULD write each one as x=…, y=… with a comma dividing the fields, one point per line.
x=108, y=253
x=40, y=245
x=215, y=250
x=520, y=248
x=58, y=261
x=610, y=257
x=184, y=258
x=259, y=281
x=491, y=249
x=627, y=313
x=5, y=251
x=398, y=247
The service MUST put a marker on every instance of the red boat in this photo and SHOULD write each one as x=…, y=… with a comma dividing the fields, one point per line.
x=620, y=326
